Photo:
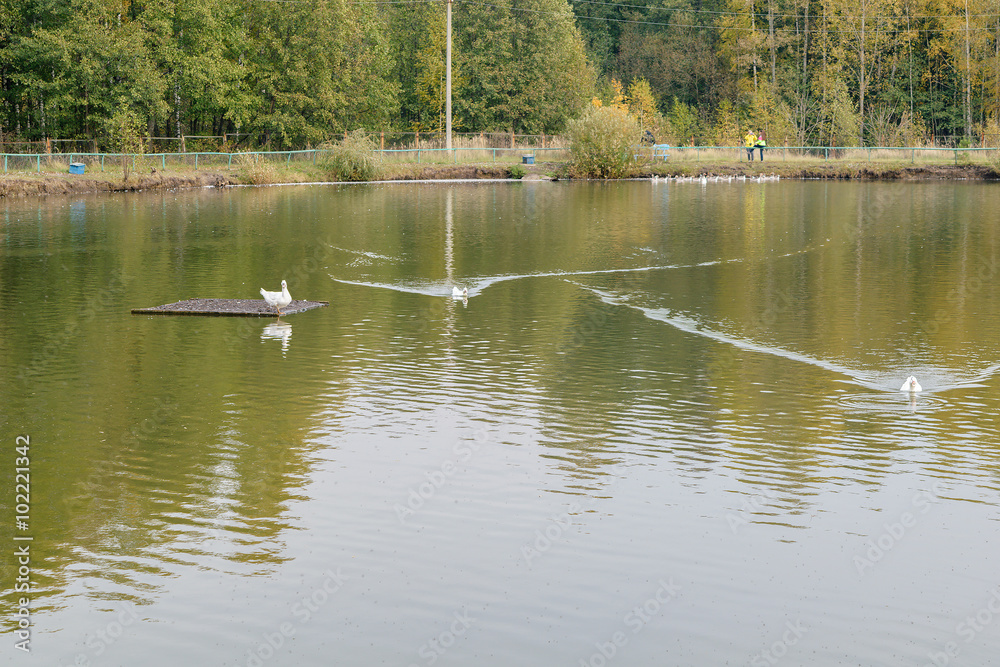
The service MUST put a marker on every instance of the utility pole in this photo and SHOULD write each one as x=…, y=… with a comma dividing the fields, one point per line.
x=447, y=85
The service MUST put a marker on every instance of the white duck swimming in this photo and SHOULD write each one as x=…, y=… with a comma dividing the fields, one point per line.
x=277, y=299
x=911, y=384
x=459, y=294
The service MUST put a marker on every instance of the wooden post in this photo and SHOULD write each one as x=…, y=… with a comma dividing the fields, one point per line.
x=512, y=138
x=418, y=145
x=381, y=141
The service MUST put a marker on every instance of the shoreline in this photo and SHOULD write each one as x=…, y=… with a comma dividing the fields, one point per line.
x=28, y=185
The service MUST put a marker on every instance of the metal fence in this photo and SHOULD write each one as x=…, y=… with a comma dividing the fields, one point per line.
x=241, y=143
x=932, y=154
x=39, y=162
x=147, y=162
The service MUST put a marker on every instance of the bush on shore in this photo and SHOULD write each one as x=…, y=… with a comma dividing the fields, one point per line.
x=355, y=158
x=603, y=143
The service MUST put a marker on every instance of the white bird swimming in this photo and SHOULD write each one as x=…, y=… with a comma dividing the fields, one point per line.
x=911, y=384
x=459, y=294
x=277, y=299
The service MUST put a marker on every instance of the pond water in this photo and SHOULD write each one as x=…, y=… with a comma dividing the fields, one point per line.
x=664, y=428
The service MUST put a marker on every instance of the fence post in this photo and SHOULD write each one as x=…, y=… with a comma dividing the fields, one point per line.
x=5, y=163
x=163, y=161
x=196, y=162
x=38, y=159
x=826, y=153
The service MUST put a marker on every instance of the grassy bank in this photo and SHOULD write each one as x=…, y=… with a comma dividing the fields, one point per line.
x=58, y=181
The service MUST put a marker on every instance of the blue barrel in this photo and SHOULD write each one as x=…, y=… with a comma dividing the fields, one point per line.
x=527, y=159
x=76, y=167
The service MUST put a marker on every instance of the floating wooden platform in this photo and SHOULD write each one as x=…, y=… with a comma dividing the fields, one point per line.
x=228, y=307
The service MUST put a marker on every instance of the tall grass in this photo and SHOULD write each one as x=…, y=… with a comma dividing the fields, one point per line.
x=255, y=169
x=355, y=158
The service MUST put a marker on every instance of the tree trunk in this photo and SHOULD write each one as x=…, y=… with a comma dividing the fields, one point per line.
x=968, y=76
x=862, y=79
x=774, y=49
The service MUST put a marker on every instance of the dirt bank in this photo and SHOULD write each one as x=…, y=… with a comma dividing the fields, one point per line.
x=836, y=171
x=49, y=184
x=19, y=185
x=818, y=170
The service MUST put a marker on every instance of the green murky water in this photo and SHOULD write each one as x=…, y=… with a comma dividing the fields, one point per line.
x=664, y=428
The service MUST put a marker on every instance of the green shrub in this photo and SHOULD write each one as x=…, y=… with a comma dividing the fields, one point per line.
x=603, y=143
x=517, y=171
x=355, y=158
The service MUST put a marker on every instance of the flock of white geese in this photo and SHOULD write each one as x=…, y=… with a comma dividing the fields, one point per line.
x=762, y=178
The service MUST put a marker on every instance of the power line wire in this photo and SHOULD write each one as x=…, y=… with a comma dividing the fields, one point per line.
x=709, y=26
x=703, y=26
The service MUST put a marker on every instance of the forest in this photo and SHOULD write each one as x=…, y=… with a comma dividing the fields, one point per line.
x=288, y=74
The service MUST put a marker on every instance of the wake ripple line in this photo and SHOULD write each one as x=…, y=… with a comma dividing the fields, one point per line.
x=477, y=285
x=690, y=325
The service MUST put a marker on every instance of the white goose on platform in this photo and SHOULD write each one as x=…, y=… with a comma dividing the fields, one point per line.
x=911, y=384
x=278, y=300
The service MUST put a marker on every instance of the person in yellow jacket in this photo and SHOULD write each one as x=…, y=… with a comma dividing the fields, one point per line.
x=751, y=142
x=761, y=143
